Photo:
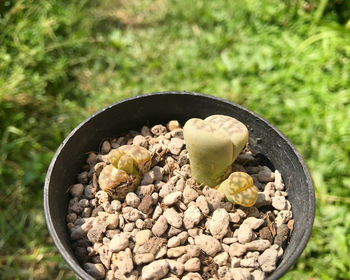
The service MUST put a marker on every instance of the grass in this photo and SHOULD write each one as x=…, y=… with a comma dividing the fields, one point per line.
x=61, y=61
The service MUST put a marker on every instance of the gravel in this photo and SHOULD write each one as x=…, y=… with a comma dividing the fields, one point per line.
x=170, y=228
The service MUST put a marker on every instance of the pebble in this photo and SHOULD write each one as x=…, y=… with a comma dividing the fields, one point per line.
x=144, y=190
x=249, y=262
x=202, y=204
x=219, y=224
x=253, y=222
x=180, y=185
x=266, y=175
x=193, y=250
x=119, y=242
x=143, y=236
x=192, y=276
x=221, y=259
x=176, y=252
x=193, y=264
x=258, y=274
x=265, y=234
x=175, y=145
x=210, y=245
x=283, y=217
x=176, y=267
x=172, y=198
x=258, y=245
x=172, y=217
x=189, y=194
x=146, y=204
x=192, y=217
x=155, y=270
x=245, y=233
x=174, y=242
x=267, y=260
x=240, y=274
x=95, y=233
x=143, y=258
x=173, y=124
x=279, y=202
x=158, y=130
x=183, y=236
x=213, y=197
x=158, y=173
x=148, y=178
x=140, y=141
x=132, y=200
x=234, y=217
x=166, y=189
x=237, y=250
x=278, y=181
x=76, y=190
x=96, y=270
x=125, y=263
x=160, y=226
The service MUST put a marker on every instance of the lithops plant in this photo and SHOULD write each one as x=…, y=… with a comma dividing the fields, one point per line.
x=213, y=144
x=128, y=164
x=239, y=188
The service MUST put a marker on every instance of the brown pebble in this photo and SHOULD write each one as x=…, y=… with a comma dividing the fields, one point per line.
x=146, y=204
x=265, y=233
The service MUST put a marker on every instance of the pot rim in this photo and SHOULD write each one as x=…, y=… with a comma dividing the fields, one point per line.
x=73, y=263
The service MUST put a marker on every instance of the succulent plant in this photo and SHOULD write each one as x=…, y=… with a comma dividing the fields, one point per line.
x=213, y=144
x=128, y=164
x=239, y=188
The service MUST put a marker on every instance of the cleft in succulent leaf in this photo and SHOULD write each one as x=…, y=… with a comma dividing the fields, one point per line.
x=239, y=189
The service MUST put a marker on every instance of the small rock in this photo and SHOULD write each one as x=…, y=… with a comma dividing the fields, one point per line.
x=145, y=131
x=95, y=233
x=202, y=204
x=219, y=224
x=193, y=250
x=96, y=270
x=278, y=181
x=172, y=198
x=174, y=242
x=176, y=251
x=221, y=259
x=146, y=204
x=268, y=259
x=253, y=222
x=189, y=194
x=119, y=242
x=266, y=175
x=234, y=217
x=192, y=217
x=258, y=275
x=240, y=274
x=166, y=189
x=148, y=178
x=245, y=233
x=210, y=245
x=229, y=240
x=283, y=217
x=155, y=270
x=213, y=196
x=193, y=264
x=173, y=231
x=143, y=258
x=258, y=245
x=183, y=236
x=113, y=221
x=132, y=216
x=175, y=145
x=279, y=202
x=173, y=124
x=160, y=226
x=266, y=234
x=173, y=217
x=140, y=140
x=116, y=205
x=249, y=262
x=132, y=200
x=76, y=190
x=158, y=173
x=176, y=267
x=262, y=200
x=71, y=217
x=140, y=224
x=180, y=185
x=106, y=147
x=105, y=255
x=145, y=189
x=237, y=250
x=192, y=276
x=158, y=130
x=124, y=262
x=143, y=236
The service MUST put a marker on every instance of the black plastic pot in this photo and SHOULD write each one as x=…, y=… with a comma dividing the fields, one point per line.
x=161, y=107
